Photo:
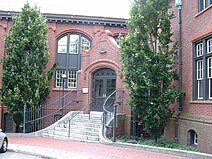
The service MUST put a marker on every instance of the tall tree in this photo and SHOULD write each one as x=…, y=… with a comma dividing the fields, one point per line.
x=148, y=57
x=24, y=78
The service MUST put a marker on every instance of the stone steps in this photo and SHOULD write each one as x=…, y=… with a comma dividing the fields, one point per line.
x=83, y=127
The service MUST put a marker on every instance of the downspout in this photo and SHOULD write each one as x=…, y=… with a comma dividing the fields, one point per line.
x=180, y=63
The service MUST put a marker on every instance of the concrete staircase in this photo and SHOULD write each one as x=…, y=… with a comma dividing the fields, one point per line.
x=82, y=127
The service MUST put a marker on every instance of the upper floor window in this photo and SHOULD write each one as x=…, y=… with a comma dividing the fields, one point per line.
x=68, y=58
x=209, y=46
x=204, y=4
x=199, y=51
x=73, y=44
x=202, y=69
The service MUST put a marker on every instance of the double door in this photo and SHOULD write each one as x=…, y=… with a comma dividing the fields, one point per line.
x=104, y=83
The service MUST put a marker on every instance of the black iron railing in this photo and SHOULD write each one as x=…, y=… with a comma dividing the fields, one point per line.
x=40, y=117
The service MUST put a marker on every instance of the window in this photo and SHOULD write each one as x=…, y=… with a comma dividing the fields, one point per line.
x=62, y=45
x=71, y=79
x=210, y=76
x=209, y=46
x=200, y=79
x=59, y=82
x=193, y=138
x=74, y=44
x=202, y=69
x=199, y=50
x=85, y=44
x=204, y=4
x=68, y=59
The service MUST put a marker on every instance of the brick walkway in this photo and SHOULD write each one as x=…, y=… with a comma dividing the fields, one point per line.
x=86, y=150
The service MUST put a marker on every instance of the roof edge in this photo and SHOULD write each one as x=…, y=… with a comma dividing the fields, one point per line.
x=73, y=19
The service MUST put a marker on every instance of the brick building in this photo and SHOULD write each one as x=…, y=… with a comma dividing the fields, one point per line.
x=93, y=70
x=195, y=120
x=85, y=49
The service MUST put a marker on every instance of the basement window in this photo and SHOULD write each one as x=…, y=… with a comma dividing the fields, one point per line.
x=193, y=138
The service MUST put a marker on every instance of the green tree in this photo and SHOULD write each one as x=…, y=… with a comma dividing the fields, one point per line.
x=25, y=79
x=148, y=58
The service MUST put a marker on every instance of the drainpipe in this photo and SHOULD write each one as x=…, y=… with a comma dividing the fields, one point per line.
x=178, y=4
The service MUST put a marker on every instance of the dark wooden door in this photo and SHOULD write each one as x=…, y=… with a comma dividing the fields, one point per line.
x=104, y=83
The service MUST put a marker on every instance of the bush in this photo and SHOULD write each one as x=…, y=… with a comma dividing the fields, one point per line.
x=124, y=138
x=161, y=142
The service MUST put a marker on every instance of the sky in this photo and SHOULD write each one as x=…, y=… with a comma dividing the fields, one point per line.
x=104, y=8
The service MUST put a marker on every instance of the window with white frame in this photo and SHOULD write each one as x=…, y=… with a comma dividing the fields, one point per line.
x=85, y=44
x=59, y=80
x=210, y=77
x=200, y=79
x=74, y=44
x=209, y=46
x=68, y=58
x=199, y=50
x=62, y=45
x=202, y=85
x=70, y=82
x=72, y=79
x=203, y=4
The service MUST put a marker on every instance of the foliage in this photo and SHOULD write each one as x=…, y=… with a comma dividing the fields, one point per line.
x=123, y=138
x=148, y=58
x=161, y=142
x=25, y=80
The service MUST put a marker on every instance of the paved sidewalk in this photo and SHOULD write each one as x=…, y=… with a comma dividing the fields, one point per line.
x=69, y=149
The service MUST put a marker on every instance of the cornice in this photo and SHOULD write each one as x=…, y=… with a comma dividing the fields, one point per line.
x=73, y=19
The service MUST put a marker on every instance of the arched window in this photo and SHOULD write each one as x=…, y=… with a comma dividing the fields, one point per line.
x=68, y=57
x=193, y=138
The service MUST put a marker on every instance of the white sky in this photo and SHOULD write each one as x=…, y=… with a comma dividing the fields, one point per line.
x=105, y=8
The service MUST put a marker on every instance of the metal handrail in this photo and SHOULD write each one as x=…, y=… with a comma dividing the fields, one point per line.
x=69, y=120
x=109, y=117
x=57, y=100
x=35, y=115
x=58, y=110
x=106, y=121
x=107, y=100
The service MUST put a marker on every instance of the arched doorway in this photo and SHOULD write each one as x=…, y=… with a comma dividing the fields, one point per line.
x=104, y=83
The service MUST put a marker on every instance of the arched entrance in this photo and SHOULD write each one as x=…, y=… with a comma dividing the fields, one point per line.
x=104, y=83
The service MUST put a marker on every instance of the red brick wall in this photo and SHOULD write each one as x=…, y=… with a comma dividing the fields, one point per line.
x=195, y=115
x=3, y=31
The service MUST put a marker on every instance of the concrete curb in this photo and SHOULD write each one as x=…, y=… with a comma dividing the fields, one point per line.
x=175, y=152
